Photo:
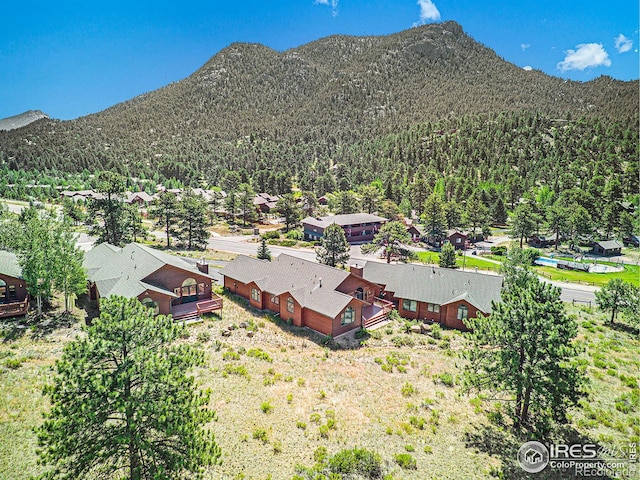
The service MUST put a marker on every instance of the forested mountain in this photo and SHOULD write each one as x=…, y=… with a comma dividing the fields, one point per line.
x=343, y=111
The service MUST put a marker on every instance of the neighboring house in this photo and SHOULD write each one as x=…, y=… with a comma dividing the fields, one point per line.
x=265, y=202
x=632, y=241
x=325, y=299
x=81, y=195
x=358, y=227
x=441, y=295
x=607, y=247
x=414, y=232
x=14, y=299
x=542, y=241
x=139, y=198
x=168, y=284
x=458, y=239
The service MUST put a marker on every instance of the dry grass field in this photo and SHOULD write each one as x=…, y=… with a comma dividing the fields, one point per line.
x=280, y=394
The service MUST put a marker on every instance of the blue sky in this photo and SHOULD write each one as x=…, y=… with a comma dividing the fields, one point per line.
x=72, y=58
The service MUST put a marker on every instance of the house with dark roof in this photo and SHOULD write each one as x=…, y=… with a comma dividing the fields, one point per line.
x=325, y=299
x=440, y=295
x=166, y=283
x=607, y=247
x=543, y=241
x=264, y=202
x=358, y=227
x=631, y=241
x=14, y=299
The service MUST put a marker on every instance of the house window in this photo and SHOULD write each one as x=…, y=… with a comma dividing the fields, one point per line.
x=463, y=312
x=255, y=294
x=458, y=240
x=275, y=299
x=290, y=305
x=201, y=289
x=12, y=292
x=432, y=307
x=152, y=304
x=409, y=305
x=189, y=288
x=348, y=316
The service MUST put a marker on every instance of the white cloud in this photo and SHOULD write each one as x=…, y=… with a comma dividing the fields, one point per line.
x=524, y=46
x=428, y=11
x=332, y=3
x=586, y=55
x=528, y=68
x=623, y=44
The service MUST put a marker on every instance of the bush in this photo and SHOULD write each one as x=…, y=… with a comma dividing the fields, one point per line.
x=408, y=389
x=356, y=461
x=260, y=434
x=499, y=251
x=406, y=461
x=203, y=337
x=446, y=379
x=13, y=363
x=271, y=235
x=261, y=354
x=266, y=407
x=436, y=331
x=294, y=235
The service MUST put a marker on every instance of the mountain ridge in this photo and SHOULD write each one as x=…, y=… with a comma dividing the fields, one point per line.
x=329, y=92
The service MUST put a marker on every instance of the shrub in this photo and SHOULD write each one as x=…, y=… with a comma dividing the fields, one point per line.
x=436, y=331
x=403, y=341
x=301, y=382
x=294, y=235
x=324, y=431
x=290, y=398
x=261, y=354
x=314, y=418
x=499, y=251
x=428, y=449
x=260, y=434
x=356, y=461
x=406, y=461
x=203, y=337
x=408, y=389
x=266, y=407
x=446, y=379
x=301, y=425
x=230, y=355
x=417, y=422
x=271, y=235
x=409, y=448
x=240, y=370
x=320, y=454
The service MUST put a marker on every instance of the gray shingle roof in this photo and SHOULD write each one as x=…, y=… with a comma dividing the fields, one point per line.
x=9, y=264
x=342, y=220
x=435, y=285
x=609, y=244
x=312, y=285
x=121, y=271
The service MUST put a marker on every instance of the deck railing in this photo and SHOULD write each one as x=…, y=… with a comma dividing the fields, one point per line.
x=14, y=309
x=206, y=306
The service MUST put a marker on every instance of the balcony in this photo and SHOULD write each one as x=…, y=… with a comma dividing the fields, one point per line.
x=193, y=310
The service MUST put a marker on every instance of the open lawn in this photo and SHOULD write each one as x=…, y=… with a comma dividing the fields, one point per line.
x=630, y=274
x=280, y=394
x=470, y=262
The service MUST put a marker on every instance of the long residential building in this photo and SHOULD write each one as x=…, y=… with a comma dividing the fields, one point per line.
x=358, y=227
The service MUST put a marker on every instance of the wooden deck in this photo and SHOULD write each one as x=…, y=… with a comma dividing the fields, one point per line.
x=14, y=309
x=376, y=312
x=191, y=310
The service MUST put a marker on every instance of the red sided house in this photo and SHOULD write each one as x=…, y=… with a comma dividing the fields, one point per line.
x=168, y=284
x=358, y=227
x=14, y=299
x=441, y=295
x=325, y=299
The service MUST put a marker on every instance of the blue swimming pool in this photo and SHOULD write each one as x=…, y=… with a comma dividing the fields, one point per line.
x=546, y=262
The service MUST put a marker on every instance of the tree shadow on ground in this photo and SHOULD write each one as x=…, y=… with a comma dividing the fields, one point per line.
x=504, y=445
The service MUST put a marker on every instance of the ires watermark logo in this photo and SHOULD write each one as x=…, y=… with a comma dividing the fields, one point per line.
x=583, y=460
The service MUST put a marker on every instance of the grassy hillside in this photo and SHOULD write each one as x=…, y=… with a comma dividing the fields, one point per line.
x=280, y=395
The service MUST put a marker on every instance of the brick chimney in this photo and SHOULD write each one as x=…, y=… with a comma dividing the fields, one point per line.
x=203, y=266
x=356, y=270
